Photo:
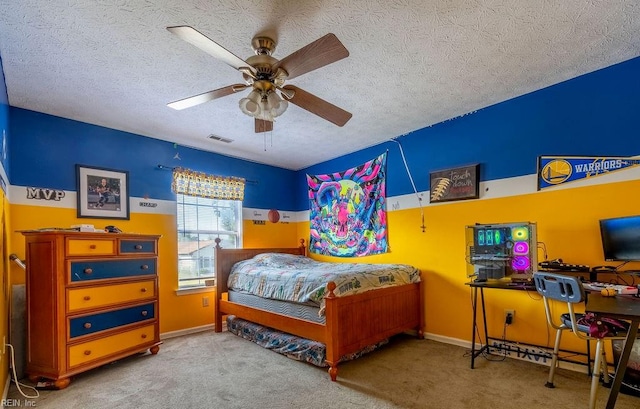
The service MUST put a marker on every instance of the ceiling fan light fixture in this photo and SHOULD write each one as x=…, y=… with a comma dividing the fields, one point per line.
x=281, y=108
x=265, y=105
x=251, y=104
x=276, y=104
x=249, y=107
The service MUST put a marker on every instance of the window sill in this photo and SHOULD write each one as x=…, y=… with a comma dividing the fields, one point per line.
x=195, y=290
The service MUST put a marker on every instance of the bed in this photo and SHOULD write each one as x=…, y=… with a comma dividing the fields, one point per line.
x=346, y=322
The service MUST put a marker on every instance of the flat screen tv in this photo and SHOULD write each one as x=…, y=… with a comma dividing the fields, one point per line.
x=621, y=238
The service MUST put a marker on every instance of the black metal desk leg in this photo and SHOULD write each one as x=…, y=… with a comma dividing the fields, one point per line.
x=622, y=364
x=474, y=352
x=484, y=319
x=474, y=305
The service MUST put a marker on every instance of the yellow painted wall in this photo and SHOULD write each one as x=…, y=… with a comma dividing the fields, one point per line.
x=5, y=296
x=567, y=223
x=177, y=312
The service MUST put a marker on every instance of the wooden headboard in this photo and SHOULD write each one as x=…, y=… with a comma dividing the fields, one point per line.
x=226, y=258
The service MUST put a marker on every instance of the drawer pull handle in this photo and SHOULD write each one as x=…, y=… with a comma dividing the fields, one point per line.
x=144, y=267
x=92, y=246
x=144, y=290
x=87, y=352
x=144, y=313
x=87, y=298
x=144, y=336
x=138, y=247
x=87, y=325
x=88, y=270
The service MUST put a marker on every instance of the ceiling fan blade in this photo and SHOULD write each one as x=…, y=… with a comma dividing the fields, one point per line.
x=207, y=96
x=323, y=51
x=317, y=106
x=263, y=126
x=193, y=36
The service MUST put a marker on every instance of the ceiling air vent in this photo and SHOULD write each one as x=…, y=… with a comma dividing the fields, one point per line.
x=220, y=138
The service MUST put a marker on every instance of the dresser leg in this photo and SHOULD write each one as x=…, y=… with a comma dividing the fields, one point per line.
x=154, y=349
x=49, y=384
x=62, y=383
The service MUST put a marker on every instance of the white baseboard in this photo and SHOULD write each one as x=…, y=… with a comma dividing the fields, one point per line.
x=523, y=353
x=447, y=340
x=187, y=331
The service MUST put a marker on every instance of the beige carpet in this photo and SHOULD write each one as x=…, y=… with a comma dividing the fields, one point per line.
x=210, y=370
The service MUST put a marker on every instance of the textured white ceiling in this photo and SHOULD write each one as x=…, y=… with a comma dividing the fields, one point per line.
x=412, y=63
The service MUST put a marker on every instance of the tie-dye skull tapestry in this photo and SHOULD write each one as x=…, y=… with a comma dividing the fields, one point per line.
x=348, y=211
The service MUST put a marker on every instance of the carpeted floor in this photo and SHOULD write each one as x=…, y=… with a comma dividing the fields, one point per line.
x=210, y=370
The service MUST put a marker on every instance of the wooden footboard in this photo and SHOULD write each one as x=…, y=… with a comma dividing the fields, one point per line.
x=352, y=322
x=363, y=319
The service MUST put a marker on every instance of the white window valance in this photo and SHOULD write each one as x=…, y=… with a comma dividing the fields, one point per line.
x=192, y=183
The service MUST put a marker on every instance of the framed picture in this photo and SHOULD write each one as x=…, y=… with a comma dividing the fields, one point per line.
x=102, y=193
x=455, y=184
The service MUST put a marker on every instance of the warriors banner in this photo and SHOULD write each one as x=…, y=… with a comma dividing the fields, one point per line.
x=558, y=170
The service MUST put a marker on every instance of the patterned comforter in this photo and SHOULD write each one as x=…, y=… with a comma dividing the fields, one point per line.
x=300, y=279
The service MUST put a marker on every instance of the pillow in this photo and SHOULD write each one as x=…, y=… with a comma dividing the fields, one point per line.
x=282, y=260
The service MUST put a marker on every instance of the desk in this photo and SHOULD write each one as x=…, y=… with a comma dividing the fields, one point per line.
x=481, y=286
x=621, y=307
x=504, y=286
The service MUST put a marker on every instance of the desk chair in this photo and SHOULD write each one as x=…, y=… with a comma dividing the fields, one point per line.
x=569, y=290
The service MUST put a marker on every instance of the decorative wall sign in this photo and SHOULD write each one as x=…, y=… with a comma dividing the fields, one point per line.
x=455, y=184
x=102, y=193
x=37, y=193
x=557, y=170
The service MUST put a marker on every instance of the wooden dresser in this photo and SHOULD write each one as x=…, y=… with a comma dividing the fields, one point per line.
x=92, y=298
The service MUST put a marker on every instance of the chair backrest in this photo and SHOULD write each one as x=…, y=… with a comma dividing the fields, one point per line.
x=559, y=287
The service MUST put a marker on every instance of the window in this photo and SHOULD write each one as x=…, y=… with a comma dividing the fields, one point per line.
x=208, y=207
x=200, y=222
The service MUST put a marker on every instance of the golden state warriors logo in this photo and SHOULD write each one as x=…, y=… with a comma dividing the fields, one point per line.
x=557, y=171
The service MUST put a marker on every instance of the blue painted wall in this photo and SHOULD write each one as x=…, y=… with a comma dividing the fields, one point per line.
x=4, y=120
x=597, y=114
x=45, y=150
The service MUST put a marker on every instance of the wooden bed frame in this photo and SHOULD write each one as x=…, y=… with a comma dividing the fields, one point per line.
x=352, y=322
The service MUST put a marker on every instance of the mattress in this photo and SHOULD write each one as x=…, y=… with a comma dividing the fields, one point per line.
x=302, y=280
x=296, y=310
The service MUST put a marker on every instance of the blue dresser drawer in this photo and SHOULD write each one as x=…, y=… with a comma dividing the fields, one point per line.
x=137, y=246
x=101, y=269
x=89, y=324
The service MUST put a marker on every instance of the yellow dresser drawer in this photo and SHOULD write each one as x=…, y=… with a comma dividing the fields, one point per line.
x=100, y=348
x=79, y=247
x=83, y=298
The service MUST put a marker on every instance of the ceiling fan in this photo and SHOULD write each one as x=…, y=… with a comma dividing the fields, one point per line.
x=266, y=76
